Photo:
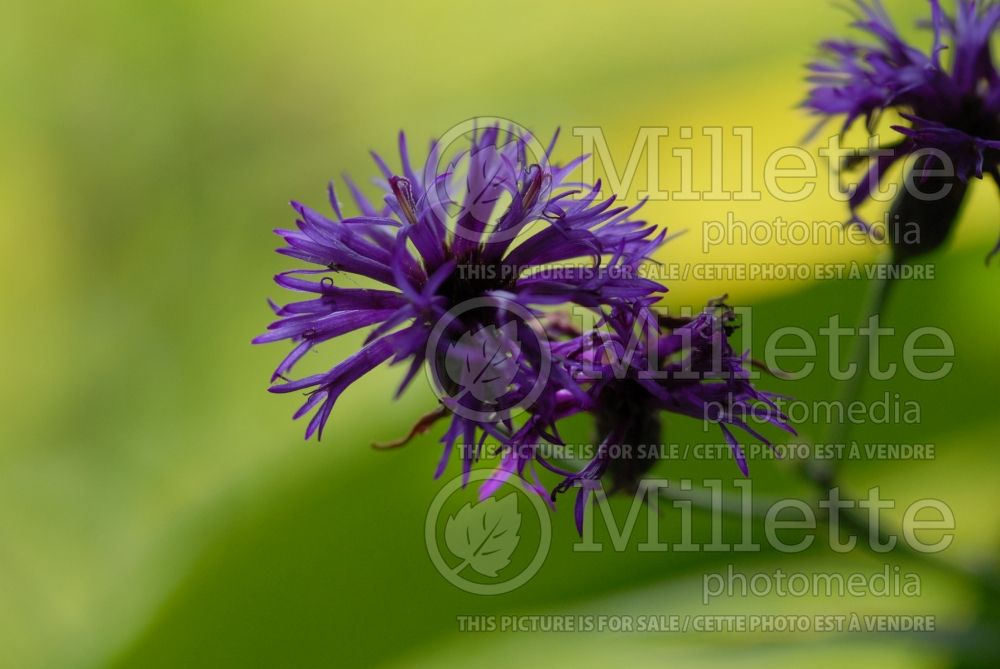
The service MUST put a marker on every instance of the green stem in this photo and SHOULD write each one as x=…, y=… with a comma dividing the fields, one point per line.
x=850, y=389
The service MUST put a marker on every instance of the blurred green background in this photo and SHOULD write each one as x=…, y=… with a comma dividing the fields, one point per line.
x=158, y=508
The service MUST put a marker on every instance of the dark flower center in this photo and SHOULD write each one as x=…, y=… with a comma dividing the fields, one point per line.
x=977, y=119
x=473, y=279
x=625, y=408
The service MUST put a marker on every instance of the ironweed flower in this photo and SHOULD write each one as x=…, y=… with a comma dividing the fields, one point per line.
x=453, y=258
x=640, y=365
x=949, y=98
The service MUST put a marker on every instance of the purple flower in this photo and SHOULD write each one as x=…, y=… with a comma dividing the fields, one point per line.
x=640, y=365
x=949, y=96
x=447, y=272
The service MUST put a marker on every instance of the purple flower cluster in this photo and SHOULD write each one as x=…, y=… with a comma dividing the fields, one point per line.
x=949, y=98
x=636, y=365
x=447, y=275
